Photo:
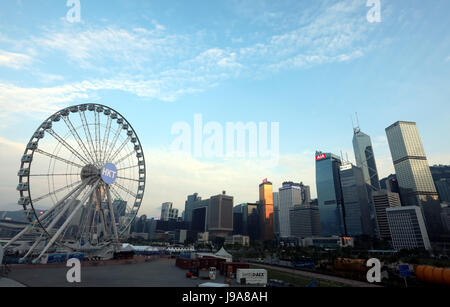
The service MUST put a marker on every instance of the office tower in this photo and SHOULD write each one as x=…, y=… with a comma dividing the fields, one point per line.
x=356, y=201
x=305, y=221
x=168, y=213
x=390, y=183
x=443, y=189
x=266, y=210
x=191, y=201
x=220, y=213
x=276, y=214
x=413, y=173
x=199, y=218
x=445, y=215
x=251, y=220
x=365, y=158
x=329, y=194
x=238, y=222
x=305, y=194
x=407, y=227
x=383, y=200
x=289, y=196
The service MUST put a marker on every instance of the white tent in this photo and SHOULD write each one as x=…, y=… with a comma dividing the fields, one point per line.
x=222, y=253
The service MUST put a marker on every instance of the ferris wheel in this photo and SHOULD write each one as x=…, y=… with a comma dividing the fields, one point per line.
x=81, y=181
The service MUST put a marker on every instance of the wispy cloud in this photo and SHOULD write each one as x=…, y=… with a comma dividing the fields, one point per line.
x=14, y=60
x=158, y=64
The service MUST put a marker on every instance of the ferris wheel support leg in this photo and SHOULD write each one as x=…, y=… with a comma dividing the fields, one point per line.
x=31, y=249
x=66, y=223
x=113, y=217
x=46, y=214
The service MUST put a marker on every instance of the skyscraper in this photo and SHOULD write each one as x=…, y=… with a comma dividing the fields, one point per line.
x=220, y=215
x=266, y=210
x=356, y=202
x=289, y=196
x=251, y=221
x=365, y=158
x=383, y=200
x=276, y=214
x=407, y=228
x=329, y=194
x=413, y=173
x=167, y=212
x=305, y=221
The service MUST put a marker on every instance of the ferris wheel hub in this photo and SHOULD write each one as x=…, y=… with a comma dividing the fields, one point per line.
x=90, y=173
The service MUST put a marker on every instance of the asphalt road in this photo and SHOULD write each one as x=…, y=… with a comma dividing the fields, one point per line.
x=349, y=282
x=158, y=273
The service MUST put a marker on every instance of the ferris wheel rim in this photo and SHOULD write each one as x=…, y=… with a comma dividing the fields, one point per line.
x=30, y=205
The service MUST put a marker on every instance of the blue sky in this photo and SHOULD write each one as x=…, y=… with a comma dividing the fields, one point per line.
x=308, y=65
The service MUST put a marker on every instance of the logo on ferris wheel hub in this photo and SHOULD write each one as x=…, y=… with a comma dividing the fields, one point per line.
x=109, y=173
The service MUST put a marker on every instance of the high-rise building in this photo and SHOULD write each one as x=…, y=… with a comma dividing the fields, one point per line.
x=220, y=213
x=356, y=202
x=445, y=215
x=390, y=183
x=251, y=220
x=238, y=221
x=365, y=158
x=266, y=210
x=383, y=200
x=290, y=195
x=188, y=206
x=407, y=227
x=329, y=194
x=276, y=214
x=305, y=221
x=168, y=213
x=413, y=173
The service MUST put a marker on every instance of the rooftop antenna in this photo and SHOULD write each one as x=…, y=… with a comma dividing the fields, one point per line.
x=358, y=127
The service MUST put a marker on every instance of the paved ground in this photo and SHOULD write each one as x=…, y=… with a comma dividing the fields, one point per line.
x=9, y=283
x=349, y=282
x=158, y=273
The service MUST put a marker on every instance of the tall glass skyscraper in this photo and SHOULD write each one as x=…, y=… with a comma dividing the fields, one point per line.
x=413, y=173
x=356, y=202
x=365, y=158
x=329, y=194
x=266, y=210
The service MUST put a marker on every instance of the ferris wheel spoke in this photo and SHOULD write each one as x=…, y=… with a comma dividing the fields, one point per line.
x=40, y=151
x=113, y=144
x=112, y=214
x=87, y=132
x=67, y=145
x=120, y=148
x=124, y=189
x=77, y=138
x=68, y=220
x=116, y=194
x=124, y=158
x=130, y=179
x=51, y=175
x=128, y=167
x=106, y=138
x=97, y=135
x=55, y=192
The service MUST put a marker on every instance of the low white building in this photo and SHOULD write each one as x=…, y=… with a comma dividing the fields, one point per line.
x=407, y=227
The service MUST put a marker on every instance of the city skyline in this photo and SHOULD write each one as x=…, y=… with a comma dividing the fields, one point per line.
x=162, y=66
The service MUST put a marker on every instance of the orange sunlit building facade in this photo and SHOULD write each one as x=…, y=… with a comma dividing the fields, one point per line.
x=266, y=210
